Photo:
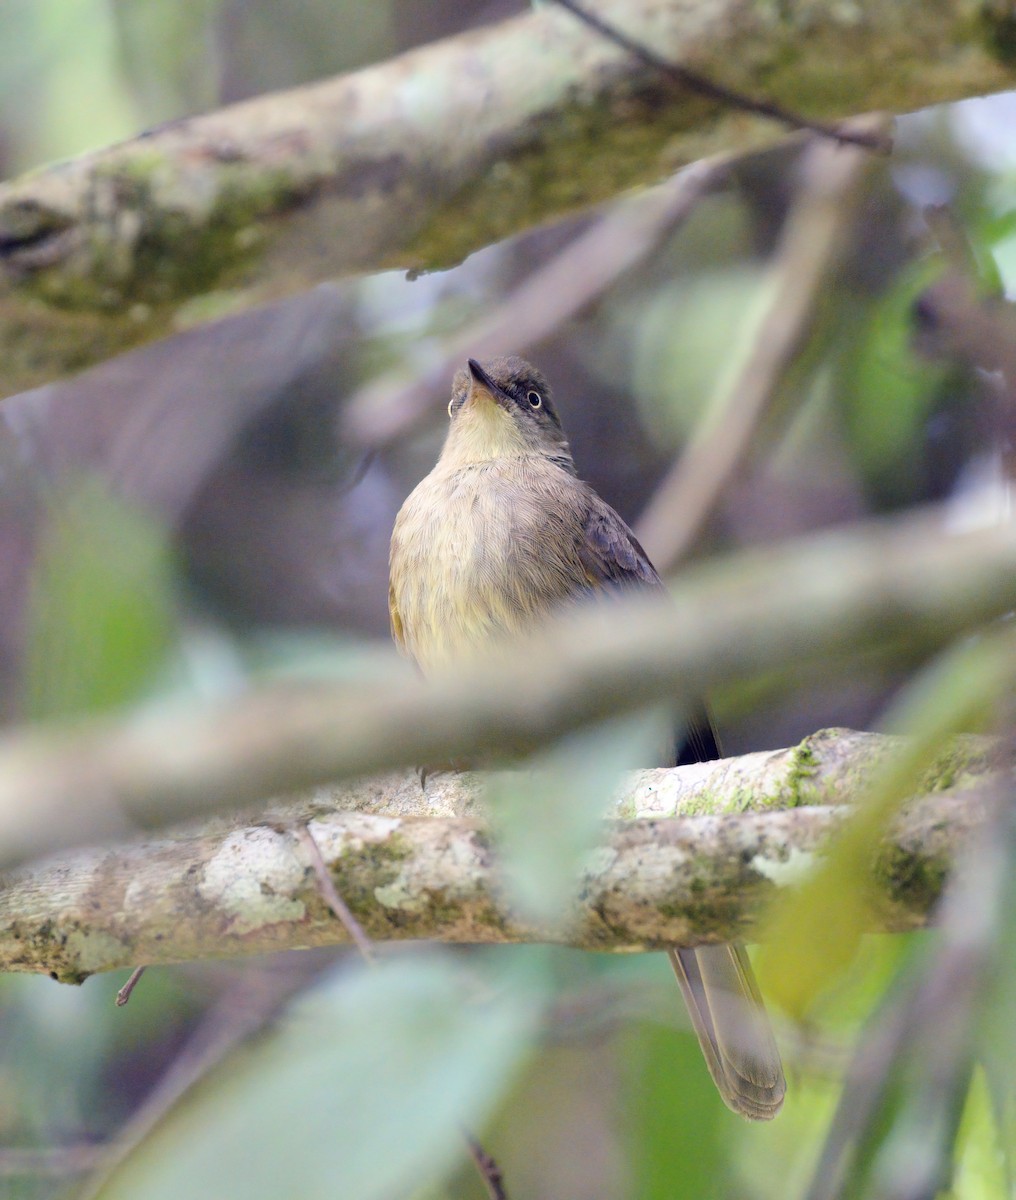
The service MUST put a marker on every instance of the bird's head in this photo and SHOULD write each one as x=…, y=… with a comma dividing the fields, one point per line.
x=503, y=409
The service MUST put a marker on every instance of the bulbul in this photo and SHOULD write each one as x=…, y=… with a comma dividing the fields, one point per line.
x=498, y=535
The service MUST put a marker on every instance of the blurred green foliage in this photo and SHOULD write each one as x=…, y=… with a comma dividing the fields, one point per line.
x=548, y=819
x=571, y=1068
x=101, y=606
x=676, y=1128
x=364, y=1082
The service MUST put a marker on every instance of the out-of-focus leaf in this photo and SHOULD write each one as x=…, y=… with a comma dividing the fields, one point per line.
x=548, y=818
x=683, y=345
x=997, y=1049
x=100, y=616
x=361, y=1091
x=888, y=390
x=53, y=54
x=982, y=1171
x=678, y=1127
x=168, y=53
x=814, y=930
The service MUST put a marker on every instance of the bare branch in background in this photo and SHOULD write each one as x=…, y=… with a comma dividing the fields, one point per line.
x=966, y=318
x=816, y=234
x=486, y=1167
x=419, y=161
x=240, y=888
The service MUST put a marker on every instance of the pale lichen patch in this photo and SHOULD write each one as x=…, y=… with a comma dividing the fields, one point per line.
x=788, y=870
x=94, y=950
x=253, y=878
x=340, y=833
x=400, y=895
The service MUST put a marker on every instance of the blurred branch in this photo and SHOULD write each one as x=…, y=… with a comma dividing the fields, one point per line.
x=419, y=161
x=816, y=233
x=663, y=880
x=899, y=584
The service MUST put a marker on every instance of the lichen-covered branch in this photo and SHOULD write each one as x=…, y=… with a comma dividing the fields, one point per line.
x=899, y=584
x=421, y=160
x=660, y=878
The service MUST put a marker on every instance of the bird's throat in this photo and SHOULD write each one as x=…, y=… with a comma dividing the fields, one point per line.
x=483, y=431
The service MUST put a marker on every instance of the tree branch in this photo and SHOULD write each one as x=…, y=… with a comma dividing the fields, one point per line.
x=890, y=585
x=660, y=879
x=832, y=187
x=419, y=161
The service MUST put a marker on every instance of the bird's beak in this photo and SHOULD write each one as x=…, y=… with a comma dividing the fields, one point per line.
x=482, y=387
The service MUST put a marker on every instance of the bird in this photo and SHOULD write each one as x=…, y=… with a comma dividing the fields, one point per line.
x=501, y=533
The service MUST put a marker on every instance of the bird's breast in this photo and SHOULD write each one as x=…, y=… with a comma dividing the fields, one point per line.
x=480, y=553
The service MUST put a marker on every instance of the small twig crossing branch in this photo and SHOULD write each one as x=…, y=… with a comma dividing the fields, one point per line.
x=696, y=82
x=331, y=895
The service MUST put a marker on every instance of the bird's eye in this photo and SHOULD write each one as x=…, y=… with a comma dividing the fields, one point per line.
x=535, y=399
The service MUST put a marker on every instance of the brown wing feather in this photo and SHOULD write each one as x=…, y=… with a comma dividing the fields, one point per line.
x=609, y=551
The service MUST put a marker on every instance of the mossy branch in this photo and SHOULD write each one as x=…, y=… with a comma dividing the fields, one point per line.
x=662, y=876
x=419, y=161
x=898, y=586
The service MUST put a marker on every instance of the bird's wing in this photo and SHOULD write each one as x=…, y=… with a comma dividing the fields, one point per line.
x=610, y=553
x=612, y=557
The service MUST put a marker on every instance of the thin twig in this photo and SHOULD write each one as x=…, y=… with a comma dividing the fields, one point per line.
x=124, y=994
x=582, y=271
x=487, y=1167
x=330, y=895
x=811, y=245
x=694, y=81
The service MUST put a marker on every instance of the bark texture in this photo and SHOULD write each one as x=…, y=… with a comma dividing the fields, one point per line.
x=419, y=161
x=891, y=585
x=661, y=877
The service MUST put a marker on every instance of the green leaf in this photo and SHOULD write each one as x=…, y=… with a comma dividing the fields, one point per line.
x=677, y=1124
x=888, y=389
x=549, y=818
x=982, y=1169
x=100, y=615
x=361, y=1091
x=814, y=930
x=684, y=348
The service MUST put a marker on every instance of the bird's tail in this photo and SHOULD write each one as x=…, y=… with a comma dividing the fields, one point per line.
x=733, y=1030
